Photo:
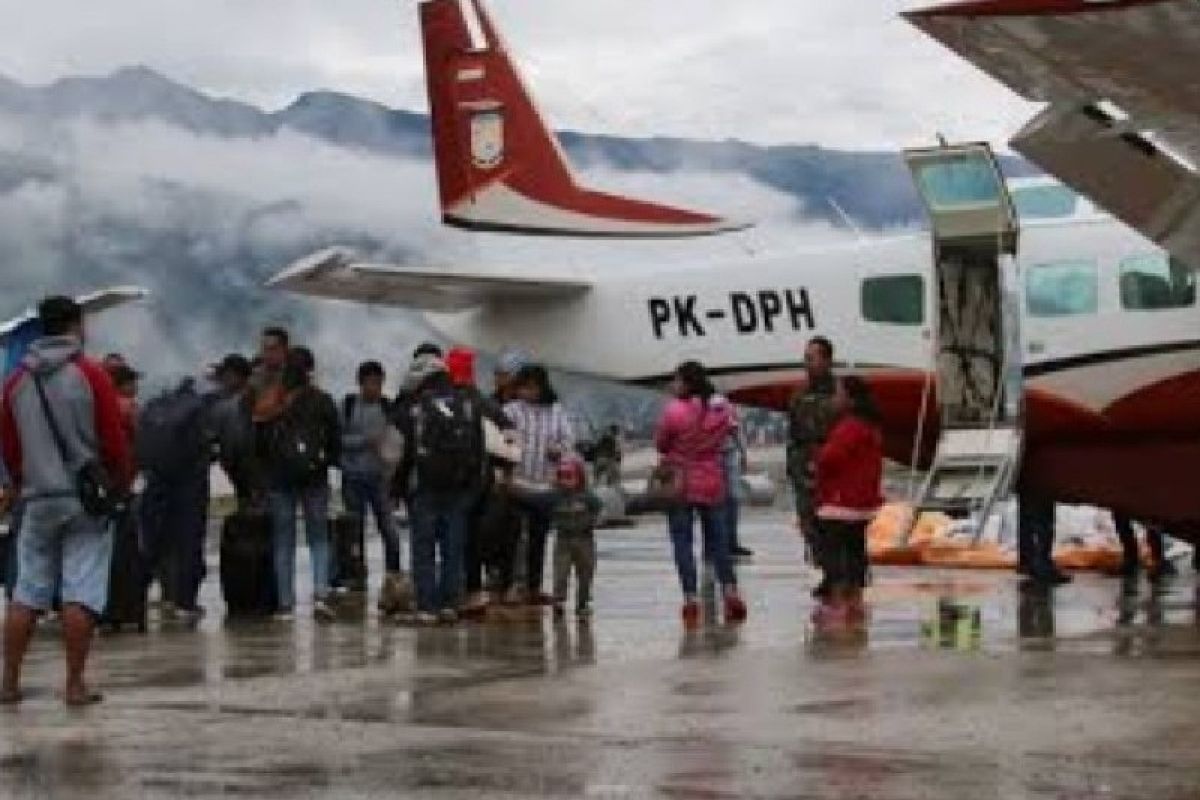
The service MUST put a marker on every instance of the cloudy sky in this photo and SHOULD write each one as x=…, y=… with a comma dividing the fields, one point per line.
x=844, y=73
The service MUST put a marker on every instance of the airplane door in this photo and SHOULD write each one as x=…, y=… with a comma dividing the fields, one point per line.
x=976, y=324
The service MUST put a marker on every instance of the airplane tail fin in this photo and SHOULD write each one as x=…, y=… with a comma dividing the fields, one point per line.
x=499, y=166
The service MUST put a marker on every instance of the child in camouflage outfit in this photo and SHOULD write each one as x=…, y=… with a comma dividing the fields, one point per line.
x=575, y=513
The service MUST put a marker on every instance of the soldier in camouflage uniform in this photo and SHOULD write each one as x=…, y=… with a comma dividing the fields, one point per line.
x=810, y=416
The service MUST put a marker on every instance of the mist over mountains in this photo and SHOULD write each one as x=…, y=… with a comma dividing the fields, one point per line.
x=134, y=178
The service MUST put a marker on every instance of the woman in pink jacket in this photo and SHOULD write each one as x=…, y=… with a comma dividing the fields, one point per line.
x=691, y=438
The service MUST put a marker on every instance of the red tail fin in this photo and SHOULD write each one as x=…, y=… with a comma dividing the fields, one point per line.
x=500, y=168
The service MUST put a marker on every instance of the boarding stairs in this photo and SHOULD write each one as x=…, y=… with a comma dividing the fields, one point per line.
x=976, y=368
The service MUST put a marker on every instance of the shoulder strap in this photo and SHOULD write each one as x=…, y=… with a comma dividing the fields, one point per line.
x=348, y=406
x=55, y=432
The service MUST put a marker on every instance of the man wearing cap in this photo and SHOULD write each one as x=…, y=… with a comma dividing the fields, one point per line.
x=501, y=523
x=485, y=552
x=508, y=365
x=232, y=430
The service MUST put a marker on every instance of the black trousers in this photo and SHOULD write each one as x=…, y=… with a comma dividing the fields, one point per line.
x=844, y=546
x=537, y=526
x=174, y=520
x=1129, y=545
x=492, y=542
x=1036, y=536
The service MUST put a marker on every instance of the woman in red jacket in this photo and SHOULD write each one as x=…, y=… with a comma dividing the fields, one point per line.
x=849, y=492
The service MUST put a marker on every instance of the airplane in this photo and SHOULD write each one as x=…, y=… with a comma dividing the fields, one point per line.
x=1107, y=409
x=21, y=331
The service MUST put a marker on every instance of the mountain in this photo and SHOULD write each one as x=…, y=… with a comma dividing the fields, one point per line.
x=873, y=188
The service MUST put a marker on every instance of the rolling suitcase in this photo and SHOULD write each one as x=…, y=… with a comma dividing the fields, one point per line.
x=247, y=566
x=128, y=580
x=347, y=534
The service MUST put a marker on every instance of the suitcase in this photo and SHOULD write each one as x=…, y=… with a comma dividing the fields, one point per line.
x=347, y=535
x=128, y=580
x=248, y=566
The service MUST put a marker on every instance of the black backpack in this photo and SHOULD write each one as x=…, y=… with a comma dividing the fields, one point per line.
x=170, y=440
x=299, y=445
x=448, y=431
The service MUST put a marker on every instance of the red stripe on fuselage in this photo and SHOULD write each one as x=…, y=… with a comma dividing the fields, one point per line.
x=1140, y=456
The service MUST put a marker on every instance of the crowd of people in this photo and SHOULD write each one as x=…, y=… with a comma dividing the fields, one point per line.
x=486, y=479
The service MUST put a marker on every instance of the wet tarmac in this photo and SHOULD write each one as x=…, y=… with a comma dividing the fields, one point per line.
x=963, y=686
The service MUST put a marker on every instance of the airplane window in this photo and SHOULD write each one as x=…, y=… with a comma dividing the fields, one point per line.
x=958, y=183
x=1062, y=289
x=894, y=299
x=1045, y=202
x=1156, y=282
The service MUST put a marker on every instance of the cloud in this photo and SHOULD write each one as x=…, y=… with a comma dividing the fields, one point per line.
x=847, y=74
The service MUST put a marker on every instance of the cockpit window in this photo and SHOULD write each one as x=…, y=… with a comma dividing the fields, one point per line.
x=1156, y=282
x=1063, y=289
x=1045, y=202
x=894, y=299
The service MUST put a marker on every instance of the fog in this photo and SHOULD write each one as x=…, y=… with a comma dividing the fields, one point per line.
x=203, y=221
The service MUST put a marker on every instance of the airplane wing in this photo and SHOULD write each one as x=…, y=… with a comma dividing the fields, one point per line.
x=1122, y=124
x=94, y=303
x=339, y=274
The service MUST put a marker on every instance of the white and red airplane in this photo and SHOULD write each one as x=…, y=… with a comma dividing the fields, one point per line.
x=1111, y=362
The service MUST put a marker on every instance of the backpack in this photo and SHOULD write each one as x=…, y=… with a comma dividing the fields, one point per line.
x=447, y=431
x=299, y=444
x=170, y=441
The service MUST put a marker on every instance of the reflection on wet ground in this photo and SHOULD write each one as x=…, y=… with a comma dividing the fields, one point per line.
x=962, y=684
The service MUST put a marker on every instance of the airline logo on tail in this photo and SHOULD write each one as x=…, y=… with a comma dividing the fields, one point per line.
x=500, y=168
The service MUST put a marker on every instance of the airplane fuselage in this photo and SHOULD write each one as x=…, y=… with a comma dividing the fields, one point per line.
x=1109, y=343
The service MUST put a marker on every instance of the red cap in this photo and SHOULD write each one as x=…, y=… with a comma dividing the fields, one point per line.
x=571, y=472
x=460, y=363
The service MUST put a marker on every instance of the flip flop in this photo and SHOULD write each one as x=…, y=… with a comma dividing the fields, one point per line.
x=88, y=698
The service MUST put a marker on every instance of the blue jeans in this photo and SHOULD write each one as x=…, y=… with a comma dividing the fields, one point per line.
x=314, y=502
x=64, y=554
x=439, y=530
x=364, y=492
x=681, y=524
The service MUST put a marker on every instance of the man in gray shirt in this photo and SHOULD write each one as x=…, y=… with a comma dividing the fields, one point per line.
x=367, y=474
